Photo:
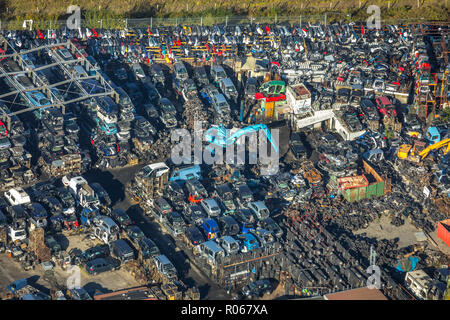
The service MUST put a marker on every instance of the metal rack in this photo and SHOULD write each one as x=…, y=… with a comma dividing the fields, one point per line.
x=40, y=84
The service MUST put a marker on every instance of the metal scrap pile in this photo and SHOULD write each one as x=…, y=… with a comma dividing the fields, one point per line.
x=38, y=246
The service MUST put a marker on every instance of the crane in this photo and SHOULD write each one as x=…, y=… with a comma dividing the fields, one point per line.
x=443, y=143
x=217, y=135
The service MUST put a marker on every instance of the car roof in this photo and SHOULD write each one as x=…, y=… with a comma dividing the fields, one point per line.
x=259, y=204
x=218, y=68
x=213, y=246
x=211, y=222
x=229, y=239
x=163, y=259
x=210, y=202
x=220, y=98
x=227, y=82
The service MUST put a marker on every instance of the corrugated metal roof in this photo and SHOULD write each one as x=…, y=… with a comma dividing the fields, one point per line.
x=356, y=294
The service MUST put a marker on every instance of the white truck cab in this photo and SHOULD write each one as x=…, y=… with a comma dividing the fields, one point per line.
x=106, y=229
x=17, y=232
x=17, y=196
x=83, y=193
x=229, y=244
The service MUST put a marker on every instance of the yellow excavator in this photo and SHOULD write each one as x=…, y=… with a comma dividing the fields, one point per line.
x=410, y=152
x=418, y=151
x=443, y=143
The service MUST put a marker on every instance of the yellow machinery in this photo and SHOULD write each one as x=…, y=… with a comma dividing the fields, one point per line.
x=419, y=151
x=410, y=152
x=443, y=143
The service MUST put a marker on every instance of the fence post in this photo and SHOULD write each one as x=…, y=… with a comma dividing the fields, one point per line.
x=126, y=23
x=276, y=16
x=201, y=21
x=325, y=19
x=226, y=21
x=151, y=22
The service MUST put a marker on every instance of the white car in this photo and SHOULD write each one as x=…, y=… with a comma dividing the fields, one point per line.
x=211, y=207
x=17, y=196
x=259, y=209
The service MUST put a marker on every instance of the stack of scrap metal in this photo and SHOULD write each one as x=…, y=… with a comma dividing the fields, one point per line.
x=37, y=245
x=194, y=111
x=171, y=291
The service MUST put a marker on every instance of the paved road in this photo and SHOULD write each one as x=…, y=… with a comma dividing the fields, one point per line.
x=114, y=183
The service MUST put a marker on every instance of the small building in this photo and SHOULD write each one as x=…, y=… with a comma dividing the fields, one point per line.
x=298, y=98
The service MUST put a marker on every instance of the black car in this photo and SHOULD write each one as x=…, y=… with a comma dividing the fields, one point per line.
x=151, y=92
x=66, y=198
x=271, y=225
x=224, y=193
x=297, y=147
x=195, y=187
x=369, y=109
x=228, y=226
x=134, y=233
x=101, y=193
x=162, y=206
x=121, y=74
x=121, y=218
x=195, y=214
x=100, y=251
x=142, y=124
x=201, y=76
x=157, y=73
x=246, y=218
x=150, y=112
x=52, y=205
x=70, y=124
x=194, y=236
x=52, y=244
x=257, y=289
x=175, y=223
x=148, y=248
x=251, y=87
x=100, y=265
x=174, y=192
x=122, y=250
x=243, y=193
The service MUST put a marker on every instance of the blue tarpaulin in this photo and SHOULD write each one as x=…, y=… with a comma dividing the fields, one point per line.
x=407, y=265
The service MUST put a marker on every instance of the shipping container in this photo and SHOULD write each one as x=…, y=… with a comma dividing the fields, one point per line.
x=443, y=231
x=356, y=188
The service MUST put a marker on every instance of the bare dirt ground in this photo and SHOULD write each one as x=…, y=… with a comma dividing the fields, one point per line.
x=383, y=229
x=104, y=282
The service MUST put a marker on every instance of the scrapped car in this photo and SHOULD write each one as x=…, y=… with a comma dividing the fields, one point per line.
x=100, y=265
x=194, y=236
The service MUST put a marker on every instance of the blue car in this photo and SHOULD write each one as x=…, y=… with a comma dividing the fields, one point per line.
x=249, y=242
x=210, y=228
x=37, y=99
x=107, y=128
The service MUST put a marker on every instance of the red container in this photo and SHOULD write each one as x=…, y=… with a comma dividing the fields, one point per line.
x=443, y=231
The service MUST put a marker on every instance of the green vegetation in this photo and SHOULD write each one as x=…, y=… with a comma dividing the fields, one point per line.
x=112, y=12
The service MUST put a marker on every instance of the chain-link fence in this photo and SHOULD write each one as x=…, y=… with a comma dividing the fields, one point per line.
x=325, y=18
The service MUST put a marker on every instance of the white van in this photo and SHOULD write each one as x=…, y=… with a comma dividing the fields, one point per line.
x=17, y=196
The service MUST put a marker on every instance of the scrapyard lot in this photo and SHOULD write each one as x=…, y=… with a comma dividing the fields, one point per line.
x=363, y=136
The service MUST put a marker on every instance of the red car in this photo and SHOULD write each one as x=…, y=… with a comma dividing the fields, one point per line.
x=3, y=130
x=385, y=107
